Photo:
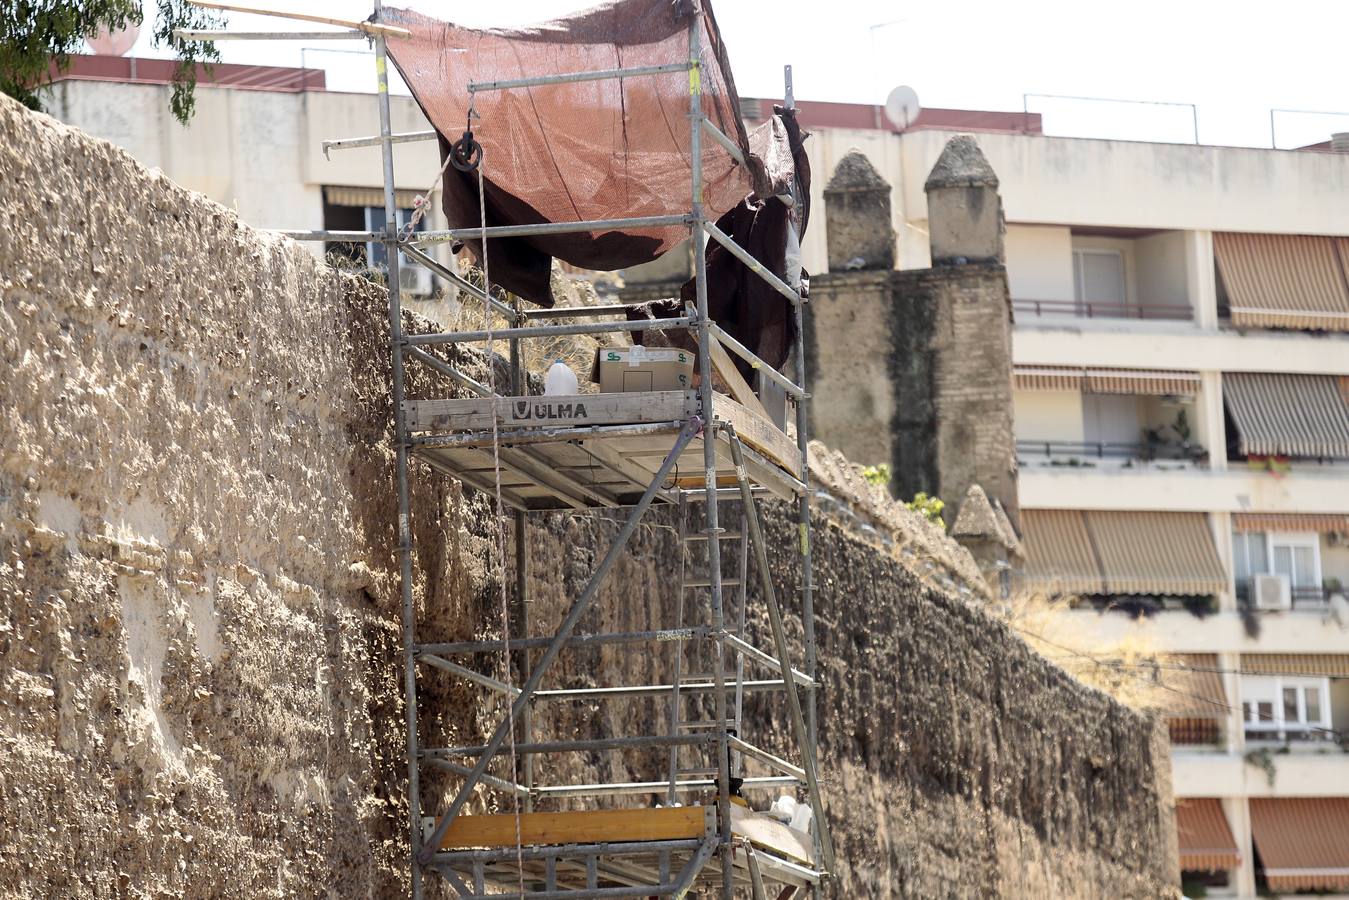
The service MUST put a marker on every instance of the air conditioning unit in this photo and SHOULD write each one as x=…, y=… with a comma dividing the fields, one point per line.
x=415, y=280
x=1271, y=592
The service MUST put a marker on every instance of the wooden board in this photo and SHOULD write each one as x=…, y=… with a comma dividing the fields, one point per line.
x=772, y=835
x=758, y=432
x=740, y=389
x=574, y=410
x=367, y=27
x=578, y=827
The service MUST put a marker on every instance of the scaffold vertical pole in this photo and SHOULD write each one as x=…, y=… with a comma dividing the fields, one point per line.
x=803, y=507
x=519, y=388
x=390, y=241
x=698, y=237
x=803, y=443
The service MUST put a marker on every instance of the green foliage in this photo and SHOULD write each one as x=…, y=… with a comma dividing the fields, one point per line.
x=1263, y=760
x=1193, y=889
x=34, y=34
x=878, y=474
x=930, y=508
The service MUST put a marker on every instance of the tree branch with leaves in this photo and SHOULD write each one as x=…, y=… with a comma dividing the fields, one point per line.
x=37, y=38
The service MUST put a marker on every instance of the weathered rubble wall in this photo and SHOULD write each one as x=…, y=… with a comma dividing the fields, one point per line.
x=199, y=668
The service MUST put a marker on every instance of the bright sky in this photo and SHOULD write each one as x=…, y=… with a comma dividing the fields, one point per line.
x=1235, y=61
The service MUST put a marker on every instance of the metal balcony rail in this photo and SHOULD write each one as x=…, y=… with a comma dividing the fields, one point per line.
x=1093, y=310
x=1292, y=732
x=1304, y=596
x=1192, y=732
x=1108, y=450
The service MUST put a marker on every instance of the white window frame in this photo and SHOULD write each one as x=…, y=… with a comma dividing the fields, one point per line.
x=1079, y=282
x=1256, y=689
x=1294, y=540
x=1290, y=539
x=1242, y=538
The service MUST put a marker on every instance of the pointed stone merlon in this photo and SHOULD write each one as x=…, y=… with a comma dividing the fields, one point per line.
x=983, y=528
x=858, y=229
x=964, y=210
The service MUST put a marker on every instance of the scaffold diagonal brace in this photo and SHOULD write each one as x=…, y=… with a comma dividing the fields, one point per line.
x=755, y=530
x=692, y=427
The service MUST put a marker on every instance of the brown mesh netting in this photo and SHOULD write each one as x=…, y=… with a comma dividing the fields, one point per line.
x=584, y=150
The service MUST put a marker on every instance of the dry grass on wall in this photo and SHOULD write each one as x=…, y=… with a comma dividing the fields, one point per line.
x=1125, y=669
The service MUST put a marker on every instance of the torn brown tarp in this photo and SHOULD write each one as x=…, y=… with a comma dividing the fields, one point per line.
x=581, y=151
x=743, y=304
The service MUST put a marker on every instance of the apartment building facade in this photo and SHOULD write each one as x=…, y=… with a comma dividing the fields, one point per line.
x=256, y=146
x=1181, y=371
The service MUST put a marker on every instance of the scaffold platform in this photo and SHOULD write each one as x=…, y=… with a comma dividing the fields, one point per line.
x=626, y=852
x=594, y=450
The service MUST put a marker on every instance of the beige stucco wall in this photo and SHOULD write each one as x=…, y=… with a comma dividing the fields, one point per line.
x=258, y=152
x=1039, y=262
x=1048, y=415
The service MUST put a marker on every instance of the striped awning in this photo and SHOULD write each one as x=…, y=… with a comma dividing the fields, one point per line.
x=1205, y=838
x=1157, y=553
x=1306, y=664
x=361, y=196
x=1303, y=842
x=1048, y=378
x=1154, y=382
x=1288, y=415
x=1059, y=556
x=1285, y=280
x=1323, y=524
x=1091, y=552
x=1194, y=687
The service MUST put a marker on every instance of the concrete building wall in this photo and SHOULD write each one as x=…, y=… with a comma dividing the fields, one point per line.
x=1049, y=416
x=1039, y=262
x=1162, y=269
x=258, y=152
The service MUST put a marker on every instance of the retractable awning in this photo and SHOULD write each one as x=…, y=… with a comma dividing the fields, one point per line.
x=1205, y=838
x=1095, y=552
x=1288, y=415
x=1302, y=842
x=1157, y=553
x=1144, y=382
x=1059, y=556
x=1323, y=524
x=1194, y=687
x=367, y=196
x=1307, y=664
x=1285, y=280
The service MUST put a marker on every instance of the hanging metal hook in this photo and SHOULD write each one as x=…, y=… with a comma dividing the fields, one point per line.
x=466, y=153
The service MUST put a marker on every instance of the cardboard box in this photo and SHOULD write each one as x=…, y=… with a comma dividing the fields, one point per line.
x=637, y=368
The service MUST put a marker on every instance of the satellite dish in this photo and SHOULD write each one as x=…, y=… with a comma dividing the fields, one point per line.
x=901, y=107
x=115, y=43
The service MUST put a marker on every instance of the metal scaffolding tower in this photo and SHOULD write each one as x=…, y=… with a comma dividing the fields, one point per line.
x=631, y=446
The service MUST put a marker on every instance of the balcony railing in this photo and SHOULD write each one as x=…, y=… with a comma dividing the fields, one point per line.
x=1291, y=733
x=1195, y=732
x=1302, y=596
x=1090, y=310
x=1076, y=452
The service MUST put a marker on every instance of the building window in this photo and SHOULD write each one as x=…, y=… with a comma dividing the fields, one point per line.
x=1285, y=708
x=1250, y=554
x=342, y=212
x=1098, y=280
x=1294, y=556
